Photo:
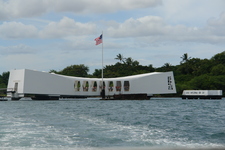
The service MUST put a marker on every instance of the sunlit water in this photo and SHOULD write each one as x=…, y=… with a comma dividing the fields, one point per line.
x=91, y=123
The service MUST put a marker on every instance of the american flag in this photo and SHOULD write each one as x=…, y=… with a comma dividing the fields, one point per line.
x=98, y=40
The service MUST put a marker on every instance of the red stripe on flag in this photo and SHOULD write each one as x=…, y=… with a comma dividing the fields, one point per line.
x=98, y=40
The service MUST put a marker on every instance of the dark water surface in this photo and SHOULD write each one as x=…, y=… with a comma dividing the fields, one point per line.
x=91, y=123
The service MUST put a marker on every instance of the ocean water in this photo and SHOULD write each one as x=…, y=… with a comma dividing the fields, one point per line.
x=94, y=124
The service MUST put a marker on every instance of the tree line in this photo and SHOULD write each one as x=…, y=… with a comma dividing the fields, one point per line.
x=190, y=74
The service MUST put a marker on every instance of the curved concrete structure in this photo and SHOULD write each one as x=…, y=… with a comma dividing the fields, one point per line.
x=24, y=82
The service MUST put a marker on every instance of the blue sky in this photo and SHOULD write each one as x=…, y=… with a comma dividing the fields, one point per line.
x=53, y=34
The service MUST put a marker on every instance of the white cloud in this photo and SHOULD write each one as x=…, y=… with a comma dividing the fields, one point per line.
x=190, y=12
x=154, y=28
x=145, y=26
x=10, y=9
x=152, y=31
x=217, y=22
x=217, y=26
x=17, y=49
x=17, y=30
x=67, y=27
x=103, y=6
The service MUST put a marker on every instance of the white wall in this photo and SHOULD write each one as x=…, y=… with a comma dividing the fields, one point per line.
x=36, y=82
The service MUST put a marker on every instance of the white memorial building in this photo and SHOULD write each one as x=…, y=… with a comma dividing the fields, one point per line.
x=44, y=85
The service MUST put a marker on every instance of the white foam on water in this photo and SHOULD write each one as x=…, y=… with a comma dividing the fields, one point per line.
x=21, y=133
x=145, y=136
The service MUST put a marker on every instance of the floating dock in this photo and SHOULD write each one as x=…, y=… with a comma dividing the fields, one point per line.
x=202, y=94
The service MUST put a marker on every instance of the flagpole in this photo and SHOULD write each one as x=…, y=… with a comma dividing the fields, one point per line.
x=103, y=90
x=102, y=59
x=99, y=40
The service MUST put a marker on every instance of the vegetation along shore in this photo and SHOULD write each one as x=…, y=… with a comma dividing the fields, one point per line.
x=190, y=74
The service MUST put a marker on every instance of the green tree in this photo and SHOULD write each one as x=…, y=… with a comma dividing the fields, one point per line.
x=52, y=71
x=185, y=58
x=120, y=58
x=75, y=70
x=97, y=73
x=184, y=67
x=129, y=61
x=166, y=67
x=207, y=82
x=219, y=58
x=135, y=63
x=191, y=73
x=218, y=70
x=4, y=79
